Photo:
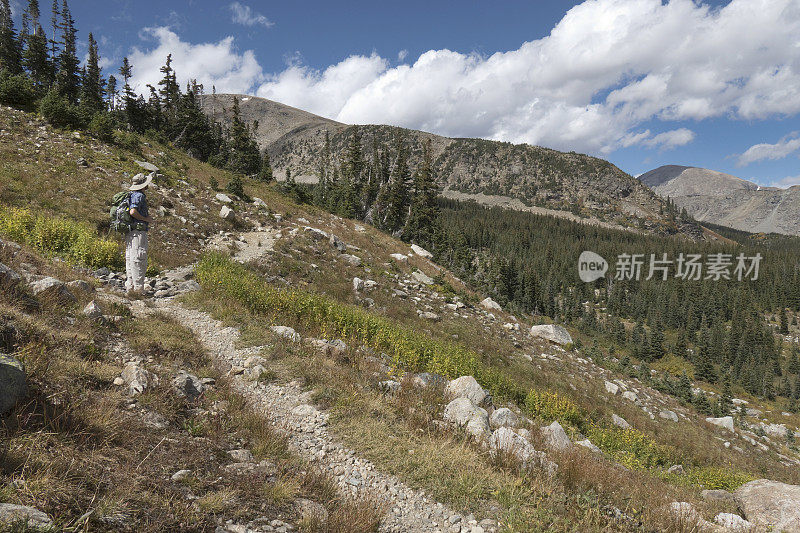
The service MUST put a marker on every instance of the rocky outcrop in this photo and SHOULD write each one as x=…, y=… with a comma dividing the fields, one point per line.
x=555, y=437
x=16, y=515
x=503, y=418
x=8, y=277
x=770, y=504
x=50, y=287
x=13, y=383
x=723, y=422
x=553, y=333
x=466, y=387
x=505, y=440
x=462, y=412
x=488, y=303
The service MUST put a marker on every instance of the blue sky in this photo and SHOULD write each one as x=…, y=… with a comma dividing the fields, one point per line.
x=639, y=82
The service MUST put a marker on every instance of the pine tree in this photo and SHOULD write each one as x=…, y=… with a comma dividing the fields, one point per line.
x=34, y=57
x=92, y=89
x=111, y=93
x=67, y=78
x=170, y=91
x=397, y=194
x=10, y=53
x=683, y=389
x=265, y=174
x=55, y=16
x=784, y=322
x=245, y=156
x=424, y=213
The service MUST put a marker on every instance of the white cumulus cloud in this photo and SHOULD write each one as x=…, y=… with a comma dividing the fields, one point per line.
x=217, y=64
x=242, y=14
x=607, y=68
x=761, y=151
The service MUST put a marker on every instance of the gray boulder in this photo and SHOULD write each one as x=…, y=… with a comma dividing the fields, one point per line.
x=400, y=258
x=464, y=413
x=352, y=259
x=466, y=387
x=337, y=243
x=358, y=284
x=770, y=505
x=488, y=303
x=717, y=496
x=421, y=277
x=137, y=378
x=224, y=198
x=8, y=277
x=420, y=251
x=553, y=333
x=389, y=386
x=311, y=511
x=733, y=523
x=150, y=167
x=668, y=415
x=13, y=385
x=503, y=418
x=504, y=440
x=555, y=437
x=227, y=213
x=630, y=396
x=80, y=285
x=241, y=455
x=286, y=332
x=50, y=287
x=29, y=516
x=586, y=443
x=611, y=388
x=619, y=421
x=723, y=422
x=188, y=385
x=426, y=380
x=93, y=310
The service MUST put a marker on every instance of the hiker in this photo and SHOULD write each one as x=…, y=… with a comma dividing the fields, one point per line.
x=136, y=238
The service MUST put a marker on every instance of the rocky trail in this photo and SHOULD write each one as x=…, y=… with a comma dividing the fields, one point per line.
x=289, y=409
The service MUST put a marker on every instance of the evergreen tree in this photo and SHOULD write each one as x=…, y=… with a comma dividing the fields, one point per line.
x=34, y=57
x=683, y=389
x=397, y=193
x=169, y=91
x=265, y=174
x=68, y=77
x=784, y=322
x=245, y=156
x=92, y=89
x=421, y=222
x=111, y=93
x=10, y=53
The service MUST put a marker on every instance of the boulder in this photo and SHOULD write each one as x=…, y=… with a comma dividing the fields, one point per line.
x=668, y=415
x=337, y=243
x=464, y=413
x=53, y=288
x=421, y=277
x=723, y=422
x=488, y=303
x=770, y=505
x=188, y=385
x=733, y=523
x=286, y=332
x=188, y=286
x=317, y=234
x=358, y=284
x=226, y=213
x=400, y=258
x=13, y=384
x=426, y=380
x=311, y=512
x=553, y=333
x=506, y=441
x=241, y=455
x=80, y=285
x=224, y=198
x=150, y=167
x=466, y=387
x=630, y=396
x=678, y=470
x=8, y=277
x=612, y=388
x=503, y=418
x=137, y=378
x=429, y=315
x=180, y=475
x=717, y=496
x=352, y=259
x=586, y=443
x=555, y=437
x=93, y=310
x=12, y=514
x=258, y=202
x=422, y=252
x=619, y=421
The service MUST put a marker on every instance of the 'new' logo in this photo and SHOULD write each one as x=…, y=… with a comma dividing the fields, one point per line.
x=591, y=266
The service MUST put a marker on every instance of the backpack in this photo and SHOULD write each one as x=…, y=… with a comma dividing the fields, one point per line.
x=120, y=212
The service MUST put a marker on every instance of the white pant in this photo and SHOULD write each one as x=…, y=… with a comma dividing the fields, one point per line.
x=135, y=259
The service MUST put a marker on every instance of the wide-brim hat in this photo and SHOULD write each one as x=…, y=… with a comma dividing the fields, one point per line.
x=140, y=181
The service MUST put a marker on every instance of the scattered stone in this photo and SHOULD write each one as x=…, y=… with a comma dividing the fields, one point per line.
x=586, y=443
x=619, y=421
x=612, y=388
x=426, y=380
x=226, y=213
x=717, y=496
x=337, y=243
x=358, y=284
x=316, y=234
x=286, y=332
x=488, y=303
x=82, y=162
x=429, y=315
x=12, y=514
x=422, y=252
x=466, y=387
x=258, y=202
x=118, y=381
x=678, y=470
x=555, y=437
x=8, y=277
x=312, y=512
x=154, y=420
x=553, y=333
x=733, y=523
x=505, y=440
x=352, y=259
x=150, y=167
x=503, y=418
x=13, y=383
x=723, y=422
x=668, y=415
x=400, y=258
x=180, y=475
x=224, y=198
x=81, y=285
x=770, y=505
x=188, y=385
x=241, y=455
x=630, y=396
x=93, y=310
x=389, y=386
x=50, y=287
x=188, y=286
x=421, y=277
x=463, y=412
x=137, y=378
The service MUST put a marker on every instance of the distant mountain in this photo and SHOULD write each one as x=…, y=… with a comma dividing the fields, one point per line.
x=490, y=172
x=711, y=196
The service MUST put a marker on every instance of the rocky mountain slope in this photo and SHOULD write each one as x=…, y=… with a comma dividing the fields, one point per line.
x=296, y=371
x=719, y=198
x=490, y=172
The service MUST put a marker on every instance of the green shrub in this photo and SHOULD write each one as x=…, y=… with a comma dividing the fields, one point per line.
x=58, y=111
x=102, y=127
x=129, y=141
x=76, y=242
x=17, y=91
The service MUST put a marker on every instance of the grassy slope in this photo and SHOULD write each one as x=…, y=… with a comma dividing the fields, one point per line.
x=577, y=499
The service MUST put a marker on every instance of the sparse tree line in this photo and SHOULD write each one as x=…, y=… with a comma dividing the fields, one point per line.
x=43, y=73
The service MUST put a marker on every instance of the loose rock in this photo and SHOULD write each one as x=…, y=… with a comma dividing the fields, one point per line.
x=553, y=333
x=13, y=383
